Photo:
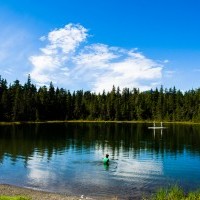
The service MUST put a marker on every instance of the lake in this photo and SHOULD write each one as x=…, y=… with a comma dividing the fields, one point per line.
x=67, y=158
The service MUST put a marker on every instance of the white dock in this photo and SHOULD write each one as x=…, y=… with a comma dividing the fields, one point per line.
x=157, y=127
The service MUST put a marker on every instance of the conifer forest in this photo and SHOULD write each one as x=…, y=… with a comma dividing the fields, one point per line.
x=28, y=103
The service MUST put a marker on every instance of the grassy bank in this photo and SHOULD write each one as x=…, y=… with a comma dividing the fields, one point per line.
x=14, y=198
x=174, y=193
x=95, y=121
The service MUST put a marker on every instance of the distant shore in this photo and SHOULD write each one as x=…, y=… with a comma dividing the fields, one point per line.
x=96, y=121
x=9, y=190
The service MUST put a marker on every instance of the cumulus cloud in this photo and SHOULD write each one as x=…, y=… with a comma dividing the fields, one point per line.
x=52, y=60
x=70, y=62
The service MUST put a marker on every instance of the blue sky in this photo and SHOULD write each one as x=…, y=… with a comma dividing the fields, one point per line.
x=94, y=44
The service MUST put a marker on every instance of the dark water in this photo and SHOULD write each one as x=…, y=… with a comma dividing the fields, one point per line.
x=67, y=158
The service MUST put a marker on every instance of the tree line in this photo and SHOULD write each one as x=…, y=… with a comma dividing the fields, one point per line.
x=28, y=103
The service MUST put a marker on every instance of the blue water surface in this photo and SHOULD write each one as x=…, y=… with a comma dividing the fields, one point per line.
x=67, y=158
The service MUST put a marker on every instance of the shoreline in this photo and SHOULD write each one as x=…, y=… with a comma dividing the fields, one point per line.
x=96, y=121
x=11, y=190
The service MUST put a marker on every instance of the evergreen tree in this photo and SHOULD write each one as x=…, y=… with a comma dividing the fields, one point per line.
x=27, y=103
x=18, y=104
x=29, y=99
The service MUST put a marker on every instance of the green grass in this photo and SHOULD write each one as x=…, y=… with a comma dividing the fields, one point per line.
x=97, y=121
x=174, y=193
x=14, y=198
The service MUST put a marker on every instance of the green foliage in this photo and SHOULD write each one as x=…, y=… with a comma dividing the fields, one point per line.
x=14, y=198
x=27, y=103
x=174, y=193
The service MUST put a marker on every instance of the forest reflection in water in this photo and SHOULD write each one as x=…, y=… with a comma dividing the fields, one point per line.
x=141, y=159
x=23, y=140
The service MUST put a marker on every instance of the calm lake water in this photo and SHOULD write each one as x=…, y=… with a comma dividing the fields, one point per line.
x=67, y=158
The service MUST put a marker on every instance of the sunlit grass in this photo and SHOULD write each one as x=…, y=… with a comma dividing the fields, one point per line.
x=14, y=198
x=98, y=121
x=174, y=193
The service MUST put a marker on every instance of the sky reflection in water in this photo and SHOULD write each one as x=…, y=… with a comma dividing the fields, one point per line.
x=67, y=158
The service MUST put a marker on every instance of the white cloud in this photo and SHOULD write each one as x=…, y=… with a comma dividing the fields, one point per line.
x=44, y=67
x=96, y=55
x=50, y=64
x=65, y=60
x=166, y=61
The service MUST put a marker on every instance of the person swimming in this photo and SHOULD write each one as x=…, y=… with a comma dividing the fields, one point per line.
x=106, y=160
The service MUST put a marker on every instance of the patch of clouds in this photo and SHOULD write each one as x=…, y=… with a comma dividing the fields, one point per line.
x=69, y=61
x=51, y=63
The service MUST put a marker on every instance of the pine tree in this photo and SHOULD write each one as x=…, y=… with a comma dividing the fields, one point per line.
x=18, y=104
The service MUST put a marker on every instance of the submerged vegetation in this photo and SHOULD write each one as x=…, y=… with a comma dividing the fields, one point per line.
x=28, y=103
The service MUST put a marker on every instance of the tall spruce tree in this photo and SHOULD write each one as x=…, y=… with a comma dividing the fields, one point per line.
x=25, y=103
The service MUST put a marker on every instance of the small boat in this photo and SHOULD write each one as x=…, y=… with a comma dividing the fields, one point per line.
x=157, y=127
